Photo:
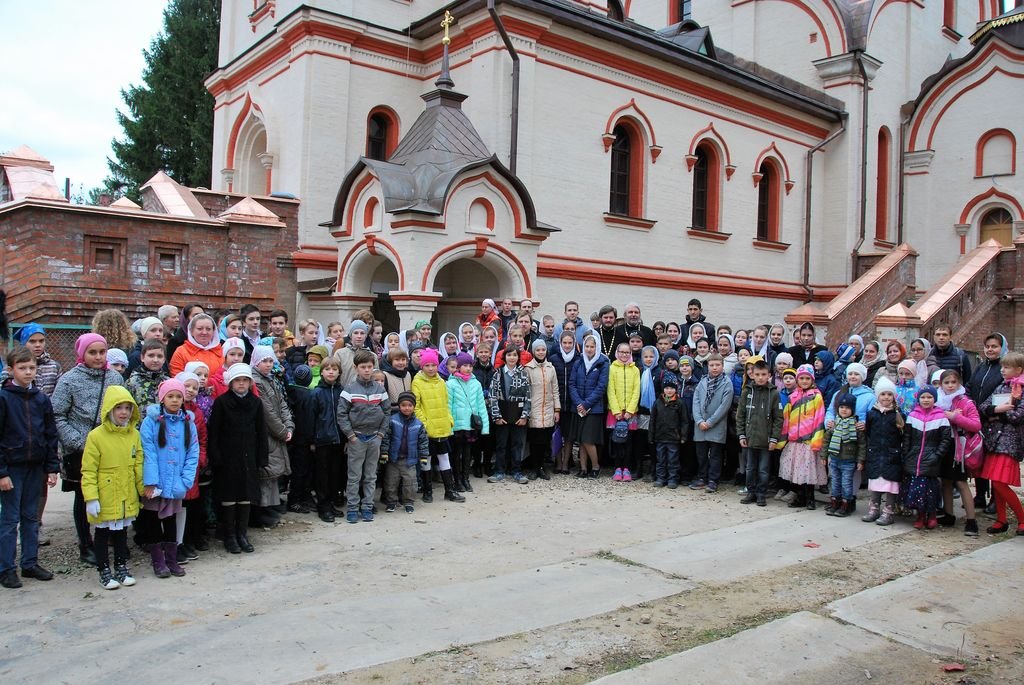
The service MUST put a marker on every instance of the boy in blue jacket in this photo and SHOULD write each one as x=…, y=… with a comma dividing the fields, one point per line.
x=28, y=449
x=403, y=448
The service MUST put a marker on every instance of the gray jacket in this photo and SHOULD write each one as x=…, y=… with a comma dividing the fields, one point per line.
x=364, y=408
x=717, y=411
x=76, y=403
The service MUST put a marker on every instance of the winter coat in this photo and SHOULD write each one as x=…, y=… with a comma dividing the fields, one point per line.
x=28, y=432
x=363, y=409
x=927, y=440
x=484, y=374
x=984, y=381
x=200, y=424
x=563, y=374
x=717, y=411
x=279, y=423
x=1004, y=431
x=588, y=387
x=326, y=398
x=826, y=382
x=190, y=352
x=670, y=421
x=302, y=404
x=77, y=403
x=409, y=431
x=966, y=422
x=237, y=447
x=865, y=397
x=849, y=450
x=759, y=416
x=171, y=468
x=466, y=398
x=623, y=391
x=884, y=444
x=951, y=358
x=143, y=385
x=801, y=355
x=432, y=405
x=544, y=398
x=348, y=368
x=510, y=395
x=112, y=462
x=803, y=419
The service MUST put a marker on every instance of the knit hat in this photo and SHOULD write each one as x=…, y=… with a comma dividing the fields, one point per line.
x=406, y=397
x=883, y=384
x=428, y=356
x=539, y=342
x=237, y=371
x=927, y=390
x=462, y=358
x=186, y=376
x=847, y=400
x=303, y=375
x=170, y=385
x=417, y=345
x=858, y=368
x=83, y=343
x=789, y=372
x=260, y=353
x=116, y=356
x=319, y=350
x=165, y=311
x=845, y=353
x=937, y=376
x=684, y=359
x=805, y=370
x=147, y=323
x=784, y=357
x=231, y=344
x=671, y=354
x=191, y=367
x=27, y=331
x=908, y=364
x=358, y=325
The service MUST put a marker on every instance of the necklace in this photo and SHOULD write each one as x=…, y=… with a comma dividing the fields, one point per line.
x=606, y=347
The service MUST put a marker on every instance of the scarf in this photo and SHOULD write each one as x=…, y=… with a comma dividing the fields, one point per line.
x=713, y=383
x=945, y=402
x=845, y=430
x=702, y=359
x=214, y=340
x=690, y=342
x=588, y=362
x=567, y=356
x=464, y=376
x=647, y=393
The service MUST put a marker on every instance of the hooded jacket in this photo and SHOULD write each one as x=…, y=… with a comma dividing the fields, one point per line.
x=326, y=397
x=826, y=382
x=171, y=468
x=623, y=392
x=884, y=444
x=544, y=397
x=112, y=462
x=432, y=405
x=927, y=440
x=670, y=421
x=466, y=398
x=759, y=416
x=28, y=432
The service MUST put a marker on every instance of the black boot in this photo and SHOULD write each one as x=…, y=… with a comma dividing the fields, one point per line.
x=811, y=505
x=227, y=523
x=427, y=487
x=242, y=527
x=450, y=493
x=467, y=465
x=87, y=555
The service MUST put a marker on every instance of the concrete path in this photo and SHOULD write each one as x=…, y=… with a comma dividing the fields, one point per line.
x=718, y=556
x=287, y=646
x=974, y=601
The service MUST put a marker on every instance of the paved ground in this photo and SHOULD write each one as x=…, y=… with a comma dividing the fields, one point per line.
x=550, y=582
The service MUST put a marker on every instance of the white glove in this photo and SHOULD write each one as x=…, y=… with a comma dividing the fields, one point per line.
x=92, y=508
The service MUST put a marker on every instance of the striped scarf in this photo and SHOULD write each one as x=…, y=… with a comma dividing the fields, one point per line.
x=845, y=431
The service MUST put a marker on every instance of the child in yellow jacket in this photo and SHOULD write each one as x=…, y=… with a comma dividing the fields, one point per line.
x=434, y=413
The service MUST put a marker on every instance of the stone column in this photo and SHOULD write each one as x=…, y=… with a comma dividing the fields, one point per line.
x=414, y=306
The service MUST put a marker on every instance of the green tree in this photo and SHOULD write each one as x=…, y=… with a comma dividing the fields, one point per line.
x=169, y=120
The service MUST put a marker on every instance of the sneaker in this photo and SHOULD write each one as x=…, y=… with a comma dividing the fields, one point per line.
x=781, y=495
x=37, y=572
x=352, y=517
x=521, y=479
x=971, y=528
x=496, y=478
x=761, y=501
x=409, y=508
x=594, y=473
x=181, y=556
x=659, y=483
x=123, y=575
x=368, y=515
x=10, y=579
x=789, y=497
x=391, y=508
x=712, y=487
x=618, y=475
x=697, y=484
x=627, y=477
x=107, y=580
x=997, y=528
x=743, y=491
x=672, y=485
x=749, y=498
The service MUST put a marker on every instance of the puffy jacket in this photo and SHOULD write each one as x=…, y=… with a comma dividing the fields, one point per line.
x=190, y=352
x=885, y=444
x=1005, y=430
x=927, y=439
x=588, y=387
x=563, y=374
x=112, y=462
x=984, y=381
x=623, y=392
x=410, y=431
x=951, y=358
x=302, y=404
x=484, y=374
x=325, y=398
x=864, y=395
x=278, y=420
x=466, y=398
x=826, y=382
x=718, y=410
x=77, y=403
x=172, y=468
x=759, y=416
x=28, y=432
x=544, y=397
x=510, y=395
x=670, y=421
x=432, y=405
x=363, y=409
x=200, y=424
x=803, y=419
x=967, y=421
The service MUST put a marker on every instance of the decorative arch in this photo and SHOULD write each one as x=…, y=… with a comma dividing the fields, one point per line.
x=248, y=149
x=877, y=10
x=355, y=197
x=392, y=127
x=372, y=216
x=982, y=202
x=984, y=140
x=706, y=134
x=507, y=267
x=707, y=186
x=363, y=259
x=616, y=10
x=514, y=207
x=772, y=151
x=632, y=111
x=481, y=214
x=823, y=13
x=769, y=200
x=626, y=170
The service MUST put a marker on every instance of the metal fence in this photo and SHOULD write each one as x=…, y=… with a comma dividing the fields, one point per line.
x=60, y=341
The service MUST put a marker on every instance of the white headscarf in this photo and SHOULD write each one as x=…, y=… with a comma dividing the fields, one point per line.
x=214, y=339
x=588, y=362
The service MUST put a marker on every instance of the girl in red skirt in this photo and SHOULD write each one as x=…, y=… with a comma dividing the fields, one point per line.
x=1003, y=428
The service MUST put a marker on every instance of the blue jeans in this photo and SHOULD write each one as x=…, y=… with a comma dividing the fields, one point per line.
x=667, y=468
x=841, y=472
x=20, y=507
x=758, y=461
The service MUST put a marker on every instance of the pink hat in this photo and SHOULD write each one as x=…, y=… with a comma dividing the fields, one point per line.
x=428, y=356
x=83, y=343
x=170, y=385
x=908, y=364
x=805, y=370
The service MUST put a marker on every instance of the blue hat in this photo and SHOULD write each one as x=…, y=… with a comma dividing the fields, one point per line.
x=671, y=354
x=27, y=331
x=927, y=390
x=302, y=374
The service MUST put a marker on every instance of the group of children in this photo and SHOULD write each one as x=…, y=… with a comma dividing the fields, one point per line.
x=247, y=417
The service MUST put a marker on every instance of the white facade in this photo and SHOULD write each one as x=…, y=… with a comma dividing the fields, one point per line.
x=298, y=82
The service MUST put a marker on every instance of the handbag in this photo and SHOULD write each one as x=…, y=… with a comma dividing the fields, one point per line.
x=475, y=422
x=556, y=440
x=620, y=433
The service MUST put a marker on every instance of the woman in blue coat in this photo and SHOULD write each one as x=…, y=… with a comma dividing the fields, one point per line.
x=565, y=358
x=587, y=386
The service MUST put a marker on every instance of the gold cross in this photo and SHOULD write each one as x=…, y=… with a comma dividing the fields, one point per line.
x=445, y=23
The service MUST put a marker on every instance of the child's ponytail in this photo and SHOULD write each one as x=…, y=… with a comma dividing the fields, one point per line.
x=161, y=436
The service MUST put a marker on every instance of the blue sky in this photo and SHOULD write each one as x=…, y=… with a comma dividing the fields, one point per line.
x=65, y=63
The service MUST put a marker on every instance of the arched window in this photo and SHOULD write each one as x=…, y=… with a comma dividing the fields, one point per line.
x=706, y=187
x=996, y=153
x=997, y=223
x=254, y=165
x=882, y=184
x=381, y=133
x=615, y=11
x=678, y=10
x=768, y=201
x=627, y=168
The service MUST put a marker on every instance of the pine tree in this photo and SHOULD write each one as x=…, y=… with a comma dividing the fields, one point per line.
x=169, y=121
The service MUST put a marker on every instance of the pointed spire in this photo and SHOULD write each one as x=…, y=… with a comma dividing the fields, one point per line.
x=444, y=80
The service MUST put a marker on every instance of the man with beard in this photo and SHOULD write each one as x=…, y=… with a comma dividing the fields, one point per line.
x=632, y=325
x=606, y=329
